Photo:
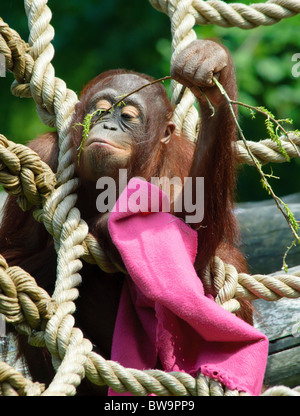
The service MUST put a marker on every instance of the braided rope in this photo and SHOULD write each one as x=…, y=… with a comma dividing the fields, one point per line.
x=55, y=106
x=71, y=352
x=182, y=22
x=282, y=391
x=104, y=372
x=23, y=303
x=14, y=49
x=235, y=14
x=55, y=103
x=142, y=383
x=267, y=151
x=13, y=383
x=24, y=174
x=224, y=280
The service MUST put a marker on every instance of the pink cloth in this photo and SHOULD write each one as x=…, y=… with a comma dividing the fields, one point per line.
x=163, y=312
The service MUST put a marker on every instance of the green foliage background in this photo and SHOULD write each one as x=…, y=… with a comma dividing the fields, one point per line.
x=95, y=35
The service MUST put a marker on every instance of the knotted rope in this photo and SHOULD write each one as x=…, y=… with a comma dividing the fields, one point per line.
x=222, y=277
x=72, y=354
x=13, y=383
x=23, y=303
x=24, y=174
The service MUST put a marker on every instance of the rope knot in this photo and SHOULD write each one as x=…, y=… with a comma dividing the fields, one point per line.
x=13, y=383
x=22, y=302
x=220, y=280
x=24, y=175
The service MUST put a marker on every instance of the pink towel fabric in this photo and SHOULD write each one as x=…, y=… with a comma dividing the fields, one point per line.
x=164, y=315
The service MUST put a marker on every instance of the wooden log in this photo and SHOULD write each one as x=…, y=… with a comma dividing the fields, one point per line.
x=280, y=321
x=265, y=234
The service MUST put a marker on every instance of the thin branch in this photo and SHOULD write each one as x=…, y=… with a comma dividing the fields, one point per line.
x=131, y=93
x=292, y=223
x=270, y=117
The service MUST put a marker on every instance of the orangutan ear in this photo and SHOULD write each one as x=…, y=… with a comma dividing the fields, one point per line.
x=170, y=128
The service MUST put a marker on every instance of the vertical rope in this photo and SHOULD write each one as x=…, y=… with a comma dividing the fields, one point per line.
x=182, y=24
x=55, y=106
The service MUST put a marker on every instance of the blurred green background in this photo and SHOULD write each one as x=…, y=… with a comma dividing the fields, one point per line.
x=95, y=35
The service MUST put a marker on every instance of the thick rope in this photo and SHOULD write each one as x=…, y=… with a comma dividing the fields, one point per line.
x=55, y=106
x=13, y=383
x=23, y=303
x=182, y=22
x=17, y=60
x=282, y=391
x=235, y=14
x=226, y=282
x=71, y=352
x=56, y=103
x=267, y=151
x=24, y=174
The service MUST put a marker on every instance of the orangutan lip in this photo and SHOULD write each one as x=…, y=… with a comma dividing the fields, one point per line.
x=103, y=142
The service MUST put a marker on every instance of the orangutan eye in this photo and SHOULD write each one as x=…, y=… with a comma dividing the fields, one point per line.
x=131, y=113
x=103, y=105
